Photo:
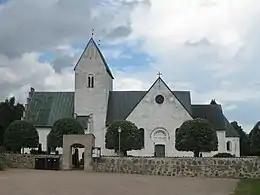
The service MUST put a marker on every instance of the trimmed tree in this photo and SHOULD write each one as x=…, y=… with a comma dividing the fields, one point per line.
x=65, y=126
x=20, y=135
x=196, y=136
x=244, y=139
x=255, y=141
x=130, y=137
x=9, y=112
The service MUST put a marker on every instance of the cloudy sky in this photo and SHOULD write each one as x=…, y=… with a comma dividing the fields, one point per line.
x=210, y=47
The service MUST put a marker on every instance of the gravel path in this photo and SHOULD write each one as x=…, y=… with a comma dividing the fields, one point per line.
x=32, y=182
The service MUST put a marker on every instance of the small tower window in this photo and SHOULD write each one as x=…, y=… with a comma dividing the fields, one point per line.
x=90, y=81
x=229, y=146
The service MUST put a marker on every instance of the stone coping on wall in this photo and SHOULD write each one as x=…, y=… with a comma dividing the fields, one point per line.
x=153, y=157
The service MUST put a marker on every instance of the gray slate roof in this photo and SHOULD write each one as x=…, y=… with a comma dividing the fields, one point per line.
x=45, y=108
x=213, y=113
x=230, y=131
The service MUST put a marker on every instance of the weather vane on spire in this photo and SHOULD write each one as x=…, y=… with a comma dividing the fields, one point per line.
x=159, y=74
x=92, y=34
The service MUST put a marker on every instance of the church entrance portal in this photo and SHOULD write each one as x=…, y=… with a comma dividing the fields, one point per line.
x=159, y=150
x=78, y=156
x=71, y=158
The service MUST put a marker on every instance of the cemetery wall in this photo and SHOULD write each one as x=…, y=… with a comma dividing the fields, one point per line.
x=185, y=166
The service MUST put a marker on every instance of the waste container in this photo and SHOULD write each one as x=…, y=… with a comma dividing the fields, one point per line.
x=49, y=163
x=55, y=163
x=40, y=163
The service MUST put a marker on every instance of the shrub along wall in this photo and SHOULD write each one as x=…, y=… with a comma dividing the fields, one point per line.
x=205, y=167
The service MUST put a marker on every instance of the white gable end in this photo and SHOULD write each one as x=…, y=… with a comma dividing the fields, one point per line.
x=152, y=116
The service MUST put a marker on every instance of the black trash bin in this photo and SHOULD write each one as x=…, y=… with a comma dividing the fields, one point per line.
x=55, y=163
x=49, y=163
x=40, y=163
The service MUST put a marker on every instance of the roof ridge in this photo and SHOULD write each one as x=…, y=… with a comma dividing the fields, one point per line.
x=206, y=104
x=54, y=92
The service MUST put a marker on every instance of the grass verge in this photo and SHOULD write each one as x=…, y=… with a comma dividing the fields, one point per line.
x=248, y=187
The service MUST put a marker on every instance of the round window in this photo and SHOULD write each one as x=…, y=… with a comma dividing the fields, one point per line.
x=159, y=99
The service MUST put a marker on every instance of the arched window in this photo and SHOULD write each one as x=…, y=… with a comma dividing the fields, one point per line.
x=90, y=81
x=160, y=136
x=229, y=145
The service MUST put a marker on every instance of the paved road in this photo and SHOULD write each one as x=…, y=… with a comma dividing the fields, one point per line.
x=32, y=182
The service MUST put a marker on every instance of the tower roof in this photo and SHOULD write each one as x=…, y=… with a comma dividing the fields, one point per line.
x=91, y=41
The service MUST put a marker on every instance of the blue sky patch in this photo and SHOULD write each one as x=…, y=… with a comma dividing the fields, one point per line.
x=4, y=1
x=47, y=56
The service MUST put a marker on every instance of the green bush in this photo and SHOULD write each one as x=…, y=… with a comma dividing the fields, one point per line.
x=196, y=135
x=224, y=155
x=21, y=134
x=64, y=126
x=131, y=138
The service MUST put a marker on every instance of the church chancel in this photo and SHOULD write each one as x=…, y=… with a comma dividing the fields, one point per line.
x=159, y=111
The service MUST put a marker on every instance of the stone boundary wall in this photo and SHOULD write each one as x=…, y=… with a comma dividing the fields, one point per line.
x=185, y=166
x=171, y=166
x=23, y=161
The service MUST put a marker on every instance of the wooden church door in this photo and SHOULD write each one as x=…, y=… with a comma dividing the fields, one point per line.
x=159, y=150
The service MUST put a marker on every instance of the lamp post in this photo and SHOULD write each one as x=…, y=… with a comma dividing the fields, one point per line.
x=119, y=148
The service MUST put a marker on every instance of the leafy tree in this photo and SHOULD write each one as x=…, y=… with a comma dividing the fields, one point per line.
x=244, y=139
x=130, y=137
x=9, y=112
x=21, y=134
x=63, y=127
x=255, y=141
x=197, y=136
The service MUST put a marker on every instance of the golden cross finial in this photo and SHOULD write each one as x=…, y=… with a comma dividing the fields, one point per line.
x=159, y=74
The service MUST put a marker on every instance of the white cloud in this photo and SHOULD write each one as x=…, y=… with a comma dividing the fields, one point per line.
x=19, y=74
x=168, y=25
x=230, y=107
x=128, y=84
x=30, y=28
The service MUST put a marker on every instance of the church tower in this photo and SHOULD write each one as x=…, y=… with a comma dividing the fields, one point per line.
x=93, y=82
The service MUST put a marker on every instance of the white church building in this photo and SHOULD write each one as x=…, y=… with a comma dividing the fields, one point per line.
x=159, y=110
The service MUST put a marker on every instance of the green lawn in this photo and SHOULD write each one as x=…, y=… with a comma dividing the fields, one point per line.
x=248, y=187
